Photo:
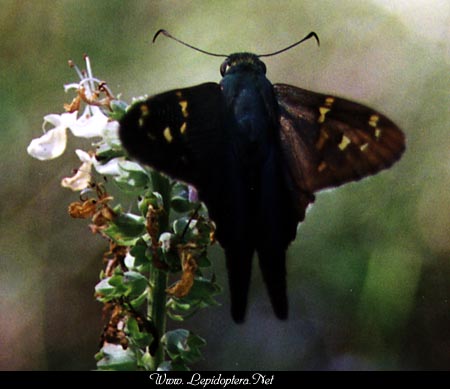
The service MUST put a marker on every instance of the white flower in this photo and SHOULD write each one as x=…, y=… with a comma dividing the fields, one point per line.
x=82, y=177
x=165, y=239
x=110, y=133
x=91, y=124
x=53, y=143
x=109, y=168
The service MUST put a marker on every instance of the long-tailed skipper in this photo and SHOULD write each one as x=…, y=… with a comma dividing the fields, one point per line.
x=257, y=153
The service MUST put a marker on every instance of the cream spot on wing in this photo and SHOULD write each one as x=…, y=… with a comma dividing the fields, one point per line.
x=373, y=120
x=167, y=134
x=183, y=105
x=144, y=112
x=377, y=133
x=183, y=128
x=344, y=143
x=323, y=111
x=364, y=147
x=329, y=102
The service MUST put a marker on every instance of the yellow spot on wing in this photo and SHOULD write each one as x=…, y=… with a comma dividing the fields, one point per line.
x=183, y=105
x=323, y=111
x=364, y=147
x=183, y=128
x=377, y=133
x=344, y=143
x=329, y=101
x=144, y=113
x=167, y=134
x=144, y=109
x=373, y=120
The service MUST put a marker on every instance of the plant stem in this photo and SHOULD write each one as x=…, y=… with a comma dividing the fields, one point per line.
x=159, y=277
x=157, y=310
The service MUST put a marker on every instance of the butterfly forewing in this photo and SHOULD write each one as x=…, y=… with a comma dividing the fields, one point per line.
x=328, y=141
x=179, y=132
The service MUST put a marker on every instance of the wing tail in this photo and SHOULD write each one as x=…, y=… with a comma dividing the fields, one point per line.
x=239, y=265
x=272, y=263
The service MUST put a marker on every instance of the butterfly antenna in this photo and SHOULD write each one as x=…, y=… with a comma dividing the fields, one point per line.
x=309, y=36
x=168, y=35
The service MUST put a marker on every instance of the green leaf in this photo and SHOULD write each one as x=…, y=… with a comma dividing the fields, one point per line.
x=175, y=317
x=138, y=301
x=180, y=189
x=175, y=341
x=132, y=177
x=131, y=284
x=202, y=290
x=137, y=337
x=151, y=198
x=180, y=198
x=175, y=303
x=126, y=229
x=200, y=296
x=146, y=361
x=139, y=257
x=172, y=366
x=179, y=225
x=105, y=152
x=131, y=167
x=135, y=284
x=114, y=357
x=104, y=288
x=183, y=345
x=181, y=205
x=119, y=108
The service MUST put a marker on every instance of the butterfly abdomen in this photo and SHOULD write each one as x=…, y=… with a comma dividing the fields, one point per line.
x=255, y=212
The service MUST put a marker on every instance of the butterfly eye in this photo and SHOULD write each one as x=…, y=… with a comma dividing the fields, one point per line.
x=224, y=67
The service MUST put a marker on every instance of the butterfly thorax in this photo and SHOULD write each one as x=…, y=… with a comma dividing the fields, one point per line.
x=250, y=102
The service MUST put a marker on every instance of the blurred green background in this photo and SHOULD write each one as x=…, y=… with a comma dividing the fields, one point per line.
x=369, y=272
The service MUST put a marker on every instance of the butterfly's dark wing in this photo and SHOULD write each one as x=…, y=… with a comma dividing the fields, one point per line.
x=185, y=133
x=327, y=141
x=177, y=132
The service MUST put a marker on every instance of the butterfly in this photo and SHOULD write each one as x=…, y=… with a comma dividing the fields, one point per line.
x=257, y=153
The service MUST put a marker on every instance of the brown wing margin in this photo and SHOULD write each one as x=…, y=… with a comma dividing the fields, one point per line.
x=328, y=141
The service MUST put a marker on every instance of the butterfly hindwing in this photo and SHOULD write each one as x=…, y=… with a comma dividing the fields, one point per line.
x=328, y=141
x=177, y=132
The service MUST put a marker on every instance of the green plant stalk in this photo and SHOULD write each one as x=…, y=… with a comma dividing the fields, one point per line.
x=158, y=277
x=157, y=310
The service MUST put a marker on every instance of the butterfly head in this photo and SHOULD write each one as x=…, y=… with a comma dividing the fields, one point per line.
x=242, y=62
